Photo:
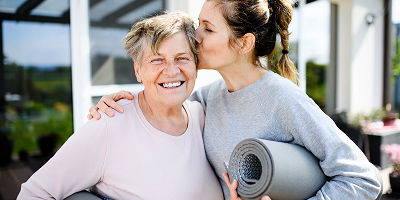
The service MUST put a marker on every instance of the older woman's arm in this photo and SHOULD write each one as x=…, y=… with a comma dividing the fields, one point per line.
x=77, y=165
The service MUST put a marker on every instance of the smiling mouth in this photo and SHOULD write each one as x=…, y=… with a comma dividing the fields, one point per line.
x=172, y=84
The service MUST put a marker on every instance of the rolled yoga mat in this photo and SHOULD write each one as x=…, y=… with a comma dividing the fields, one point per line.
x=279, y=170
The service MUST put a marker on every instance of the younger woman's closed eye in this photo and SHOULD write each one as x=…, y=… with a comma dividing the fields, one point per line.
x=208, y=29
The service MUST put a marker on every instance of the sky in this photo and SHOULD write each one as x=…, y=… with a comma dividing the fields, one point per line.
x=396, y=11
x=42, y=44
x=45, y=44
x=316, y=23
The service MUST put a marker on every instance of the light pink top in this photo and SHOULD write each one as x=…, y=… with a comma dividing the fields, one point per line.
x=125, y=157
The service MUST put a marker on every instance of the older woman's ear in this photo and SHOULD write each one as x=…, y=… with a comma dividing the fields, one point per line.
x=137, y=73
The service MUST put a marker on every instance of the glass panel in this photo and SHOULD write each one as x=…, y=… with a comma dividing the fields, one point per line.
x=147, y=9
x=317, y=23
x=110, y=22
x=396, y=52
x=110, y=65
x=37, y=77
x=95, y=100
x=53, y=8
x=106, y=7
x=10, y=6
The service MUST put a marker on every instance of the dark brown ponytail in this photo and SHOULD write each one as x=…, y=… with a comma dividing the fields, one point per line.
x=284, y=11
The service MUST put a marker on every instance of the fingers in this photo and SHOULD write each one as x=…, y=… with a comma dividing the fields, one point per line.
x=123, y=95
x=103, y=106
x=93, y=113
x=110, y=101
x=227, y=181
x=232, y=187
x=234, y=193
x=266, y=198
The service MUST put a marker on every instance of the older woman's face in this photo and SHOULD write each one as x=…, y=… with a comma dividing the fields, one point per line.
x=169, y=77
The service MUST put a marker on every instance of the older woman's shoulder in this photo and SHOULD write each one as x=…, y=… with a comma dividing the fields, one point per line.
x=193, y=105
x=124, y=102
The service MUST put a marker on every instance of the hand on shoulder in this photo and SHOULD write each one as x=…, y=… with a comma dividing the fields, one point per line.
x=109, y=102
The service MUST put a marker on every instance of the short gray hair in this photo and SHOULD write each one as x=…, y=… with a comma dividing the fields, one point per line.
x=153, y=31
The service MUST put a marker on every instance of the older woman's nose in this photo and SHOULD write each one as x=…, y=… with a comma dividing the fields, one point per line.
x=172, y=69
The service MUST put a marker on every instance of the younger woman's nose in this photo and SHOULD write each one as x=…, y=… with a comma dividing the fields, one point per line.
x=198, y=36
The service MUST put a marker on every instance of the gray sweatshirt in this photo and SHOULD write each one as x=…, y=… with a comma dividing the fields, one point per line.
x=273, y=108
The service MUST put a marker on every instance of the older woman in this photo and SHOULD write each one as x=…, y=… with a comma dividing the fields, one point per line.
x=155, y=149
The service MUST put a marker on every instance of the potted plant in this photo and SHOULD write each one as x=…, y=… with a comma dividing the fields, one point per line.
x=389, y=118
x=6, y=145
x=393, y=152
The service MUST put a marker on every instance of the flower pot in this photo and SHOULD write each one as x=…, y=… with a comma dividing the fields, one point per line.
x=47, y=144
x=389, y=123
x=6, y=147
x=394, y=184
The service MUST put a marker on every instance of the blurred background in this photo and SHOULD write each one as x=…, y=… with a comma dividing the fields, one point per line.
x=60, y=56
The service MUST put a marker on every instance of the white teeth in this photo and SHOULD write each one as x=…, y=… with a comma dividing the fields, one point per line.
x=170, y=85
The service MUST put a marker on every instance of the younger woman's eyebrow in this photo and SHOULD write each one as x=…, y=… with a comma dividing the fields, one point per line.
x=207, y=22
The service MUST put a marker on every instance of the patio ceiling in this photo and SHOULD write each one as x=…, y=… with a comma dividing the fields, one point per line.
x=103, y=13
x=296, y=2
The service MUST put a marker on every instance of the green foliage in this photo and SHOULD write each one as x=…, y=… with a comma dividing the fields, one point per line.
x=361, y=119
x=45, y=107
x=25, y=133
x=396, y=62
x=316, y=87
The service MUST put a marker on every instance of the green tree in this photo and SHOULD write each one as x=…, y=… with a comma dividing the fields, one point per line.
x=45, y=105
x=316, y=87
x=396, y=61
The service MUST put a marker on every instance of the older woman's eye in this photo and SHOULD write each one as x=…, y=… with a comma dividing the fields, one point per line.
x=183, y=59
x=156, y=61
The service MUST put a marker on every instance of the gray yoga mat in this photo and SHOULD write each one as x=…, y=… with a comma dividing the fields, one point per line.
x=279, y=170
x=83, y=195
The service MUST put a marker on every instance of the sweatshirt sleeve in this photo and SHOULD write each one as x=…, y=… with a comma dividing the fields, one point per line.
x=77, y=165
x=340, y=159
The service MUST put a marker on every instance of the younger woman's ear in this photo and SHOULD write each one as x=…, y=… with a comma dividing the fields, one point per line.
x=247, y=43
x=137, y=72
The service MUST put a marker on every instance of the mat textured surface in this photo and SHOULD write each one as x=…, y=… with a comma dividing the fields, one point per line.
x=279, y=170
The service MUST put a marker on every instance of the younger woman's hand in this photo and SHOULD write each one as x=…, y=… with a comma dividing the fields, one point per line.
x=232, y=188
x=107, y=102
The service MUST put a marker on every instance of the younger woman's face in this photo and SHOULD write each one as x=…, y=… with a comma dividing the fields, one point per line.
x=213, y=34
